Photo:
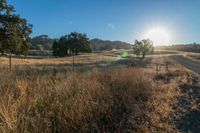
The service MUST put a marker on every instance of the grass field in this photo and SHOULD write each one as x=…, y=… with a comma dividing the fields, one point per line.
x=83, y=58
x=45, y=95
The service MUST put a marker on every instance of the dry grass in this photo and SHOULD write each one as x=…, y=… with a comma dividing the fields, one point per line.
x=80, y=59
x=125, y=100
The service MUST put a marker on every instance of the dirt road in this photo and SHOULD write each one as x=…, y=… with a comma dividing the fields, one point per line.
x=188, y=63
x=187, y=110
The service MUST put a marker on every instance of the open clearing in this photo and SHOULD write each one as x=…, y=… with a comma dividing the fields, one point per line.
x=106, y=93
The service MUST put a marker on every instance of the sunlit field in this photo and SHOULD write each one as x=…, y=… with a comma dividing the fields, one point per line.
x=83, y=58
x=132, y=99
x=99, y=66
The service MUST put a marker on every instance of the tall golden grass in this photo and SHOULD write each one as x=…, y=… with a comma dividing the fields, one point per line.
x=125, y=100
x=79, y=59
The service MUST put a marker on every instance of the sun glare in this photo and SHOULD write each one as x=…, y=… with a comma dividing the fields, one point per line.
x=159, y=36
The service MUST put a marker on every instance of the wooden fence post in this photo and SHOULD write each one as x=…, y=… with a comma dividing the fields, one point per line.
x=73, y=64
x=157, y=75
x=167, y=68
x=10, y=65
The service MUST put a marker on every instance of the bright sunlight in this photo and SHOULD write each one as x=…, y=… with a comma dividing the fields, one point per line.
x=159, y=36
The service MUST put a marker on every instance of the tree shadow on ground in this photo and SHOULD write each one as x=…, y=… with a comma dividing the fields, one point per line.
x=188, y=110
x=190, y=122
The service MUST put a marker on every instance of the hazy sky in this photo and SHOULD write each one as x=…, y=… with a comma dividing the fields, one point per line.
x=124, y=20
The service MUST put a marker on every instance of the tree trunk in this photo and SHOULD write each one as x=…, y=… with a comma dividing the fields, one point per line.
x=76, y=52
x=10, y=65
x=143, y=55
x=2, y=52
x=73, y=64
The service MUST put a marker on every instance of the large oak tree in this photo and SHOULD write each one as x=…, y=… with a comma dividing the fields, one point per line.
x=143, y=47
x=72, y=43
x=14, y=30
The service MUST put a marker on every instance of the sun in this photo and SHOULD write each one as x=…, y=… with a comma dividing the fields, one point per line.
x=159, y=36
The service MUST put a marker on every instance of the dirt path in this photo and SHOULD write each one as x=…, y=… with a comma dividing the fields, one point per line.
x=187, y=110
x=188, y=63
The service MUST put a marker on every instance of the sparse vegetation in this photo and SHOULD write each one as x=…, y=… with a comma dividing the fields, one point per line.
x=101, y=86
x=34, y=99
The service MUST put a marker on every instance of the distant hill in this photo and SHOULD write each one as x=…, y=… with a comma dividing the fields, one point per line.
x=194, y=47
x=99, y=45
x=96, y=44
x=42, y=40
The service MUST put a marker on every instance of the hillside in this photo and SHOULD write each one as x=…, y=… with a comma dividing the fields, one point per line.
x=45, y=41
x=96, y=44
x=99, y=45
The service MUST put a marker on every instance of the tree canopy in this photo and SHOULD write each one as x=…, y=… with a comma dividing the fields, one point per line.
x=14, y=30
x=72, y=43
x=143, y=47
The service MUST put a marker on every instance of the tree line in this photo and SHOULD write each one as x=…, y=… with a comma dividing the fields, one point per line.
x=44, y=42
x=15, y=32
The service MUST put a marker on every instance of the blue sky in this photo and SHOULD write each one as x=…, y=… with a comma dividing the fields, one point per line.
x=124, y=20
